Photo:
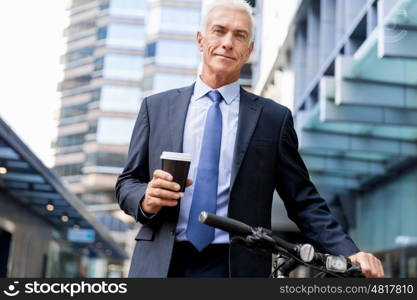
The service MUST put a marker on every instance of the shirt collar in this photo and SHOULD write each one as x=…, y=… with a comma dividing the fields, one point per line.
x=229, y=92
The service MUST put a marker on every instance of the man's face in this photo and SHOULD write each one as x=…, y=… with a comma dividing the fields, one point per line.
x=225, y=44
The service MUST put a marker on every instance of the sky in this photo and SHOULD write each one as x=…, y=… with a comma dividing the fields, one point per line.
x=31, y=39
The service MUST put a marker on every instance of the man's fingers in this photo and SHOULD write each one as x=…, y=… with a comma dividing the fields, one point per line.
x=378, y=267
x=164, y=194
x=162, y=174
x=370, y=265
x=164, y=184
x=374, y=272
x=162, y=179
x=381, y=268
x=365, y=264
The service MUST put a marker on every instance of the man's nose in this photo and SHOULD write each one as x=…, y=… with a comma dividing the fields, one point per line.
x=227, y=42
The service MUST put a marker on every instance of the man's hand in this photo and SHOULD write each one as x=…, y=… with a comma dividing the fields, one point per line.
x=370, y=265
x=161, y=191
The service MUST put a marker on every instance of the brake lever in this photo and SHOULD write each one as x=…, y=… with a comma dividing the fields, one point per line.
x=258, y=242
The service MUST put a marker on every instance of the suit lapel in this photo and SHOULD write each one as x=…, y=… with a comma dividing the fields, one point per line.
x=178, y=106
x=249, y=112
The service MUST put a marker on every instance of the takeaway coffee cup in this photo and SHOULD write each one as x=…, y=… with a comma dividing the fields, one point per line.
x=178, y=165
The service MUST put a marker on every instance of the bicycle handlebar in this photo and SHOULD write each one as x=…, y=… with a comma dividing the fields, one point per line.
x=226, y=224
x=241, y=229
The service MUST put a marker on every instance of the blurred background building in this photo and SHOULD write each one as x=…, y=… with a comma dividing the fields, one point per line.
x=171, y=55
x=101, y=95
x=352, y=66
x=45, y=231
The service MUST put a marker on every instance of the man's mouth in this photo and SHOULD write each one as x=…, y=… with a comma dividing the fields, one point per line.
x=225, y=56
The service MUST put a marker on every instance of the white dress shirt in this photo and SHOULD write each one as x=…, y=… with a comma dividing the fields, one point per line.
x=193, y=135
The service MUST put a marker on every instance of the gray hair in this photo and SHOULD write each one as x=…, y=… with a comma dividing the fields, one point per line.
x=241, y=5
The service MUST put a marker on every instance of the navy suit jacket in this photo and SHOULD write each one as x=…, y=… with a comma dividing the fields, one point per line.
x=266, y=157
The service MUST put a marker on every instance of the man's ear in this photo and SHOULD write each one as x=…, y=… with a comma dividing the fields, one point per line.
x=250, y=49
x=199, y=39
x=251, y=45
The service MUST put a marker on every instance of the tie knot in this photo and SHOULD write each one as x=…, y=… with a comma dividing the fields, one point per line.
x=215, y=96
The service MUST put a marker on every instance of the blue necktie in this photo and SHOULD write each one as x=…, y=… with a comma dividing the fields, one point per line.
x=206, y=182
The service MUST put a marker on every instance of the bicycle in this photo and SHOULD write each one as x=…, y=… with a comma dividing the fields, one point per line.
x=288, y=255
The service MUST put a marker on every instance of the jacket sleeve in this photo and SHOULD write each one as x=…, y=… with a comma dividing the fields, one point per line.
x=132, y=183
x=303, y=203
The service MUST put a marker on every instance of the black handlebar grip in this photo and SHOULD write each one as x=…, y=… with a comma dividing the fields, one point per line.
x=226, y=224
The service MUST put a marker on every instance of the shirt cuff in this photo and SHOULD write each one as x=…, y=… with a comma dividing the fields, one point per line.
x=147, y=215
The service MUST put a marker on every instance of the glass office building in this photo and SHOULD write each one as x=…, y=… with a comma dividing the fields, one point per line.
x=352, y=65
x=101, y=95
x=171, y=55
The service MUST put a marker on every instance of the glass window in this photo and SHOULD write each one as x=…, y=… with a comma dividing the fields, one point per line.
x=70, y=140
x=92, y=126
x=69, y=170
x=79, y=63
x=120, y=98
x=98, y=63
x=166, y=81
x=150, y=50
x=106, y=159
x=179, y=19
x=128, y=7
x=101, y=33
x=104, y=5
x=95, y=95
x=75, y=82
x=80, y=27
x=82, y=35
x=111, y=159
x=116, y=131
x=123, y=67
x=126, y=36
x=79, y=54
x=177, y=53
x=74, y=110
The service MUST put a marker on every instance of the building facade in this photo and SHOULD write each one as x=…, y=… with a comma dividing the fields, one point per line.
x=101, y=95
x=351, y=65
x=45, y=231
x=171, y=55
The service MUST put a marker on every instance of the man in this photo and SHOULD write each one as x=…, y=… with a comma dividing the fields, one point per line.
x=243, y=147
